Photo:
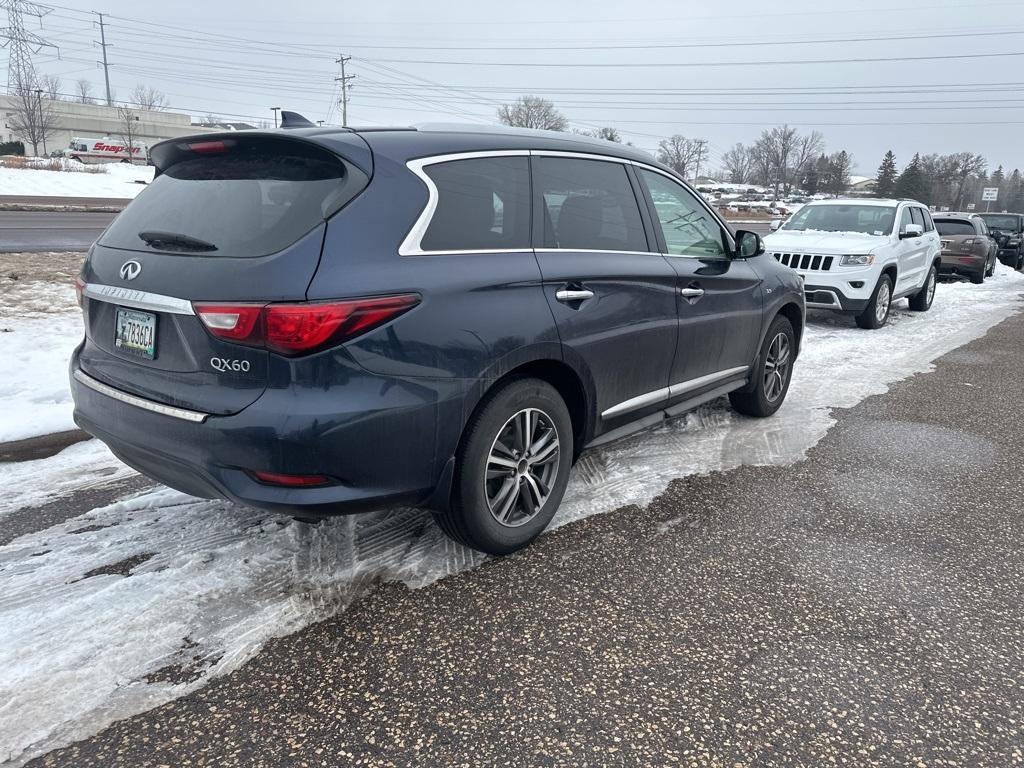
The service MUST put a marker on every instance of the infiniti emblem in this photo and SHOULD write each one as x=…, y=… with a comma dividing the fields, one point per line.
x=130, y=270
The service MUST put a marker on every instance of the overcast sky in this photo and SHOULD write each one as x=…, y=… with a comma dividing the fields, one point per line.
x=648, y=68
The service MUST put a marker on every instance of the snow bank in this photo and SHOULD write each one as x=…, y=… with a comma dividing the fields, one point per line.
x=208, y=583
x=34, y=394
x=119, y=181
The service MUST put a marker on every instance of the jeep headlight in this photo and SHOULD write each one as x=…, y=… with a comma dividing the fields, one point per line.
x=857, y=260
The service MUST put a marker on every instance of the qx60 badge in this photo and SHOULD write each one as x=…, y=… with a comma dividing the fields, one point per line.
x=130, y=270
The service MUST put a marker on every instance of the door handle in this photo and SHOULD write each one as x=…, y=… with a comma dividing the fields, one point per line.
x=567, y=295
x=691, y=293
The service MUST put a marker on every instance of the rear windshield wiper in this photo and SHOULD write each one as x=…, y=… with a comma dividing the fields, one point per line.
x=175, y=241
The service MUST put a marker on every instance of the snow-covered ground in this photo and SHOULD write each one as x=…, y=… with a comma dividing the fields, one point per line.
x=120, y=180
x=193, y=588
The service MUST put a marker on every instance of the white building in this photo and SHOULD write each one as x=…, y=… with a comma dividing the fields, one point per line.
x=74, y=119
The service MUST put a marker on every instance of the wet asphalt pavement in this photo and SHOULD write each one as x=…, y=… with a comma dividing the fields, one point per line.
x=51, y=230
x=862, y=607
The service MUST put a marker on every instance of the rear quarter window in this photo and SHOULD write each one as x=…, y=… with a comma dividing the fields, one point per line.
x=483, y=204
x=254, y=197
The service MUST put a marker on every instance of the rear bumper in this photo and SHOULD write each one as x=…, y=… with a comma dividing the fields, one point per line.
x=961, y=264
x=377, y=438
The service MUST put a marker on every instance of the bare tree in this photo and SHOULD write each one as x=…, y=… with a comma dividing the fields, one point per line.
x=806, y=149
x=683, y=155
x=147, y=98
x=606, y=133
x=532, y=112
x=969, y=166
x=776, y=148
x=129, y=129
x=737, y=163
x=32, y=118
x=51, y=87
x=83, y=90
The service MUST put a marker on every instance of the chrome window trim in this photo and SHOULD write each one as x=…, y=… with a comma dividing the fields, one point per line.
x=670, y=392
x=129, y=297
x=139, y=402
x=596, y=250
x=412, y=244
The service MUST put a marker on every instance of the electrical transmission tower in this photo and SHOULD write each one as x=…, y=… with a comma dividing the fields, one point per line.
x=344, y=86
x=22, y=43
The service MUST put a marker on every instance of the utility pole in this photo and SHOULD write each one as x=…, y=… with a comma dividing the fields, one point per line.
x=344, y=87
x=20, y=72
x=275, y=110
x=106, y=67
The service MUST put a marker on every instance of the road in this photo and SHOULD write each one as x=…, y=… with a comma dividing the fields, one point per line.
x=859, y=607
x=50, y=230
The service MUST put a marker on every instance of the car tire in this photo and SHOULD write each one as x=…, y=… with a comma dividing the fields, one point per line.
x=498, y=503
x=978, y=277
x=1019, y=260
x=922, y=300
x=772, y=376
x=876, y=313
x=991, y=269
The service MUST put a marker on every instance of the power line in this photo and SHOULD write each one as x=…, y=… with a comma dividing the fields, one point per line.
x=341, y=60
x=20, y=72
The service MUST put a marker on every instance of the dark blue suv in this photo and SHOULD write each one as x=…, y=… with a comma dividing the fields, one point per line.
x=320, y=321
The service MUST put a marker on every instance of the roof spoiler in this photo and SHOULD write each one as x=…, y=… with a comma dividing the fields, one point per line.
x=294, y=120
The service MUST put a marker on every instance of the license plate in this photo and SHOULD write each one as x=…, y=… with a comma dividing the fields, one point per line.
x=135, y=333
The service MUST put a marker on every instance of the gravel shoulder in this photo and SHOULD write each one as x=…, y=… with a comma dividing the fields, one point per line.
x=861, y=607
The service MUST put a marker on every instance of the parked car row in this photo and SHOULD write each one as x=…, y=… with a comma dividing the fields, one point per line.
x=858, y=256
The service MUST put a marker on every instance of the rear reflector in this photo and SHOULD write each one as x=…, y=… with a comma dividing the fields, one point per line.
x=298, y=329
x=291, y=481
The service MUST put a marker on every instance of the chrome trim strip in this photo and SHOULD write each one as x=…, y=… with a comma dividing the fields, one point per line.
x=148, y=405
x=596, y=250
x=649, y=398
x=129, y=297
x=636, y=402
x=411, y=245
x=703, y=381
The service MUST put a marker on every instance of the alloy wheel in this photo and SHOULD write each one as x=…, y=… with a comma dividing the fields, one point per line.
x=931, y=286
x=521, y=467
x=776, y=367
x=882, y=303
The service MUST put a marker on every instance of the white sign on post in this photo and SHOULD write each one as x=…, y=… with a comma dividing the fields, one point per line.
x=990, y=194
x=970, y=206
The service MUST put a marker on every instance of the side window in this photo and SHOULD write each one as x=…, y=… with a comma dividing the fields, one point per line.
x=929, y=225
x=482, y=204
x=918, y=217
x=981, y=226
x=588, y=205
x=905, y=219
x=688, y=227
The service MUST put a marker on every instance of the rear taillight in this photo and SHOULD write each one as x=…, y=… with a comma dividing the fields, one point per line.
x=79, y=289
x=291, y=481
x=297, y=329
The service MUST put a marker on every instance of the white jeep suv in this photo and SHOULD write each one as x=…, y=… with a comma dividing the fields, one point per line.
x=859, y=256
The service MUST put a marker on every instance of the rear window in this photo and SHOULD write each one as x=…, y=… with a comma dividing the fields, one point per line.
x=1002, y=223
x=483, y=204
x=244, y=198
x=953, y=227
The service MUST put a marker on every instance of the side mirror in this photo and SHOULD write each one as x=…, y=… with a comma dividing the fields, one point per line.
x=912, y=230
x=774, y=226
x=748, y=244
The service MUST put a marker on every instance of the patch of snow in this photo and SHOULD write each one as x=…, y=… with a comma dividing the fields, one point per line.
x=34, y=394
x=119, y=181
x=83, y=465
x=208, y=583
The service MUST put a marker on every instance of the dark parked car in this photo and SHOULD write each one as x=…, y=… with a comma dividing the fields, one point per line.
x=320, y=321
x=1008, y=231
x=967, y=248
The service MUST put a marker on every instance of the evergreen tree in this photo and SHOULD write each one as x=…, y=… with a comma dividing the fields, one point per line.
x=912, y=183
x=1015, y=193
x=885, y=182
